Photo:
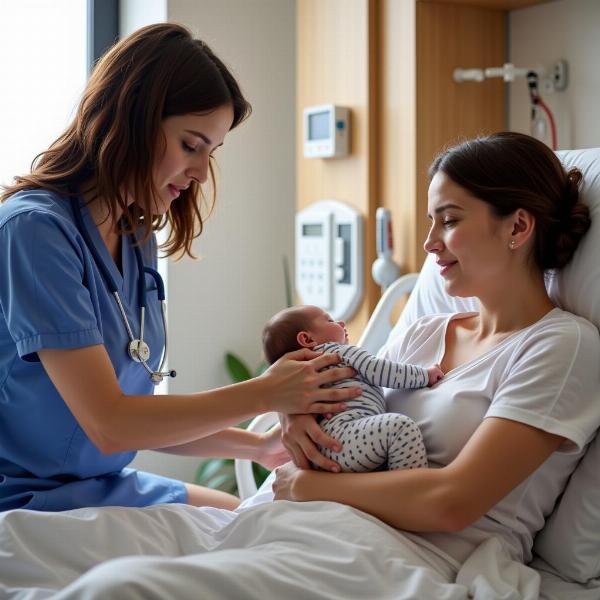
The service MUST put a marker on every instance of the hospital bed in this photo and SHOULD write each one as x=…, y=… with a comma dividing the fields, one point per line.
x=318, y=550
x=568, y=549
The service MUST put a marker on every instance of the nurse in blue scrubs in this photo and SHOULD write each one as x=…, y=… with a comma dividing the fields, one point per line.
x=77, y=260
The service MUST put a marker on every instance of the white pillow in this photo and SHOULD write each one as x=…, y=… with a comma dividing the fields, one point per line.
x=570, y=540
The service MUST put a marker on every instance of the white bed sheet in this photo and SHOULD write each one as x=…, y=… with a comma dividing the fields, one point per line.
x=555, y=588
x=317, y=550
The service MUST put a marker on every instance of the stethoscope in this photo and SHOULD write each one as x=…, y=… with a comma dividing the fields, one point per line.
x=137, y=348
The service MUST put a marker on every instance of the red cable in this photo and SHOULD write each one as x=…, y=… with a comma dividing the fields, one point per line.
x=550, y=120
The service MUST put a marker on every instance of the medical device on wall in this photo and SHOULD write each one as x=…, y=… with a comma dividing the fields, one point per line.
x=329, y=257
x=326, y=131
x=550, y=80
x=541, y=115
x=554, y=79
x=384, y=270
x=137, y=349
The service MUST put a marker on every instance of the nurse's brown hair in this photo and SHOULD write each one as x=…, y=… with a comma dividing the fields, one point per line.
x=157, y=72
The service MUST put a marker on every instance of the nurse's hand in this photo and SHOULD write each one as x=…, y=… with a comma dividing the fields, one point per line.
x=292, y=385
x=271, y=452
x=301, y=435
x=285, y=478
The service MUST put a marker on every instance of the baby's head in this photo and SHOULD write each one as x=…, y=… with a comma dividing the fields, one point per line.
x=300, y=327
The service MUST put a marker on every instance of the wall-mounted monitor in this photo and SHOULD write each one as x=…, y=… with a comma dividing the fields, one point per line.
x=326, y=131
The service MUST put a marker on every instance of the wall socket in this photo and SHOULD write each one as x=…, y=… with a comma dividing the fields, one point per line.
x=560, y=75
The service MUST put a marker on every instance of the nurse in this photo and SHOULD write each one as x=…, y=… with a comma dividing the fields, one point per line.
x=75, y=400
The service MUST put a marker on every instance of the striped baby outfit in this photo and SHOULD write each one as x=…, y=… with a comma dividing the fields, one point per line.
x=371, y=437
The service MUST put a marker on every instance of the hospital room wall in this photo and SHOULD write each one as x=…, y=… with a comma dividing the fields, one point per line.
x=540, y=35
x=220, y=302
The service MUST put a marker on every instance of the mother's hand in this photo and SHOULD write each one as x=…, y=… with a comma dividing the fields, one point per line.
x=301, y=434
x=293, y=384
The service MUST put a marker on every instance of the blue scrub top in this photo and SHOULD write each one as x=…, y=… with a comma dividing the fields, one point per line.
x=52, y=295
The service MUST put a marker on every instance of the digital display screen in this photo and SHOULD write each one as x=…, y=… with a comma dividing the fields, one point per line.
x=318, y=125
x=312, y=229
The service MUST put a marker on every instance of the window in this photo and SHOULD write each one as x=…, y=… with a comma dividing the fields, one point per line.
x=47, y=48
x=43, y=71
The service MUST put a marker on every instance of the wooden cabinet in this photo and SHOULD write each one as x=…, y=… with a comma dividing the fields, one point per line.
x=391, y=62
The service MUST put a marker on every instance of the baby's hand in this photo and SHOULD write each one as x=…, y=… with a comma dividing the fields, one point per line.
x=435, y=374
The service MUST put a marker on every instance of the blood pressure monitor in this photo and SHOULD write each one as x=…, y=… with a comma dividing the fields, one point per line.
x=326, y=131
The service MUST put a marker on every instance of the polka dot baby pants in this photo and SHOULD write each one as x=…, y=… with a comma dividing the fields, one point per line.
x=371, y=441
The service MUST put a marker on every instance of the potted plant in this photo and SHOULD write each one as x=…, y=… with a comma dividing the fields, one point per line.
x=218, y=473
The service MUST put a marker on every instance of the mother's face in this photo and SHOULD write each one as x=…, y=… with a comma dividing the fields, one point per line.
x=472, y=246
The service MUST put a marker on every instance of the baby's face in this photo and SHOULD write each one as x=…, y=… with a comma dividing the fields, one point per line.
x=324, y=329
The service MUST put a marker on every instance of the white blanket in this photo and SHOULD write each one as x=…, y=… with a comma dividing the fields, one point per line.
x=317, y=550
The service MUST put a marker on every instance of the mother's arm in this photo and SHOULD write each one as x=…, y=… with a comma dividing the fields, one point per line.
x=499, y=455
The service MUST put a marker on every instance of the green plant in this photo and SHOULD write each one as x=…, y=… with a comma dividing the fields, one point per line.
x=239, y=371
x=219, y=473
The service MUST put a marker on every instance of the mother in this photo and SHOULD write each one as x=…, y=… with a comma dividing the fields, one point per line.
x=517, y=406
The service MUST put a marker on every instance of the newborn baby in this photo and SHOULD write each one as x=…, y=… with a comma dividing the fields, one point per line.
x=371, y=437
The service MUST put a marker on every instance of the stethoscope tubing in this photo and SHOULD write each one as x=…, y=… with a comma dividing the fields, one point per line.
x=137, y=348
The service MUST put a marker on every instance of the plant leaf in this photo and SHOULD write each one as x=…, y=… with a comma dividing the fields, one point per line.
x=218, y=482
x=237, y=369
x=260, y=473
x=208, y=469
x=262, y=367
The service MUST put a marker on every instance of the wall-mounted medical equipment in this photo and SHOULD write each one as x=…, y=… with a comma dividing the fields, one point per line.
x=329, y=257
x=326, y=131
x=541, y=115
x=384, y=270
x=137, y=349
x=550, y=80
x=554, y=79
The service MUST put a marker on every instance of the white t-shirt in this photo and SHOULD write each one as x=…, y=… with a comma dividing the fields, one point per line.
x=545, y=375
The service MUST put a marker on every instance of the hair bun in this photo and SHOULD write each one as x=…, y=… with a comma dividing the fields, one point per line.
x=576, y=222
x=573, y=183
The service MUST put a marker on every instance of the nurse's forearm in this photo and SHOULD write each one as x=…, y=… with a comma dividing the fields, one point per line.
x=86, y=380
x=140, y=422
x=232, y=442
x=115, y=422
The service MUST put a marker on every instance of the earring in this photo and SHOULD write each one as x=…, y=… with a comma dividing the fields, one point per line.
x=512, y=244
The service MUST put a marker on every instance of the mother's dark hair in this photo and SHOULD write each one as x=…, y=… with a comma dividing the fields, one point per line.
x=157, y=72
x=511, y=170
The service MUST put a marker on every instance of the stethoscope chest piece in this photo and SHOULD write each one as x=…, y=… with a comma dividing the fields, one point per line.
x=137, y=348
x=139, y=351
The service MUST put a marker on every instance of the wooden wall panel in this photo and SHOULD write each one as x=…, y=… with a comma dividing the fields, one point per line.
x=450, y=36
x=334, y=65
x=396, y=123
